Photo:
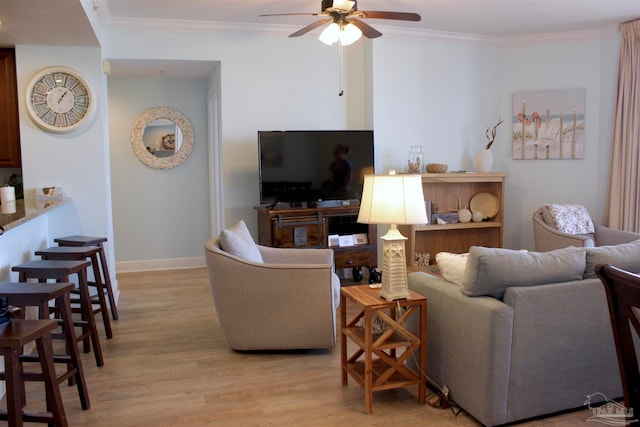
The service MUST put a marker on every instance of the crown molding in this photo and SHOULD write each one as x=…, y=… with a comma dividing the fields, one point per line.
x=279, y=30
x=436, y=36
x=568, y=36
x=203, y=27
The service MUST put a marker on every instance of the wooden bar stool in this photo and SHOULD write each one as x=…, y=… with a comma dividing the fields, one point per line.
x=14, y=335
x=74, y=253
x=60, y=271
x=78, y=240
x=39, y=295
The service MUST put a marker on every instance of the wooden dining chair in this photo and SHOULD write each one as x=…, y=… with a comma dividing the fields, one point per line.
x=623, y=296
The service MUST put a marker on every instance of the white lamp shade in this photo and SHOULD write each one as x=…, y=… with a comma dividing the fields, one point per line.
x=350, y=34
x=331, y=34
x=392, y=199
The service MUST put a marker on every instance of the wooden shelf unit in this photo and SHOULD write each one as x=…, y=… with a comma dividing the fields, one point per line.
x=444, y=190
x=378, y=362
x=311, y=228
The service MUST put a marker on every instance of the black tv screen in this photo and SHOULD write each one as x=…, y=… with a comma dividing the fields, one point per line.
x=312, y=166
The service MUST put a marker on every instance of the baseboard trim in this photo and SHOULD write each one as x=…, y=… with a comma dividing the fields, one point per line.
x=159, y=264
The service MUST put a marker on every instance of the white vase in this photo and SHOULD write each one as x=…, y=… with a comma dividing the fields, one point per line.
x=483, y=161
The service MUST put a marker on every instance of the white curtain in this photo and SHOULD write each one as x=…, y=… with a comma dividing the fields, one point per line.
x=624, y=169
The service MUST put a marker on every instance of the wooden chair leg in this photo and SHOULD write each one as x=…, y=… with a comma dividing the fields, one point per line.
x=87, y=309
x=14, y=386
x=54, y=400
x=107, y=284
x=64, y=307
x=100, y=288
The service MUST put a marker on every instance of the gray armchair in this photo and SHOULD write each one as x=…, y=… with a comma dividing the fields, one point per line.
x=547, y=238
x=288, y=301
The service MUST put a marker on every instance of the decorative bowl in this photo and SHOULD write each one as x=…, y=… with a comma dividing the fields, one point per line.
x=436, y=168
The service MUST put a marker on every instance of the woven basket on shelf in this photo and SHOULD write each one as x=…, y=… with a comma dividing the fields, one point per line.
x=436, y=168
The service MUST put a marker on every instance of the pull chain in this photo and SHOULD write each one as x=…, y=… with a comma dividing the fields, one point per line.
x=341, y=70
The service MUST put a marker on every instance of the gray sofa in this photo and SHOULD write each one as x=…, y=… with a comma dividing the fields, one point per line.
x=523, y=334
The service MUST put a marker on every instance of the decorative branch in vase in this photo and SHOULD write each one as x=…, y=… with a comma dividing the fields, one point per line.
x=493, y=135
x=484, y=159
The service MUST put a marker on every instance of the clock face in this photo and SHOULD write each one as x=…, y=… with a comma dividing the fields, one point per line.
x=59, y=99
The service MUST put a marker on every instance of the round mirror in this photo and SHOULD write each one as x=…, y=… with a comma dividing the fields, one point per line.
x=162, y=138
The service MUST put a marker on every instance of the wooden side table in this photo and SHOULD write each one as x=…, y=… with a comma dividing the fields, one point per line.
x=383, y=367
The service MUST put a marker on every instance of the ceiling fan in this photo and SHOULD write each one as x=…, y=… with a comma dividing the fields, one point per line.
x=346, y=24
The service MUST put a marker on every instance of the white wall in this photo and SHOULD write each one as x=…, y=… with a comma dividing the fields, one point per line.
x=161, y=217
x=267, y=83
x=531, y=183
x=214, y=137
x=75, y=161
x=444, y=96
x=438, y=94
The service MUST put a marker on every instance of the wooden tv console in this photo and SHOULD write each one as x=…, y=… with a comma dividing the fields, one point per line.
x=305, y=227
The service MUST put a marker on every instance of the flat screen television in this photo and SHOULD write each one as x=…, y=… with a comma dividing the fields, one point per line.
x=313, y=168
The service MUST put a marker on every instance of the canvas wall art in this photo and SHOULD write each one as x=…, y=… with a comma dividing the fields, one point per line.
x=548, y=124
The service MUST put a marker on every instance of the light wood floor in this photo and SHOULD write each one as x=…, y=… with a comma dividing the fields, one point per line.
x=167, y=365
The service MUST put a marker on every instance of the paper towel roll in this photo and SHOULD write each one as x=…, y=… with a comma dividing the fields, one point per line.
x=7, y=194
x=8, y=208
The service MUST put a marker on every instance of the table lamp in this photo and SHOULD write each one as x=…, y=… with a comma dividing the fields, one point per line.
x=393, y=199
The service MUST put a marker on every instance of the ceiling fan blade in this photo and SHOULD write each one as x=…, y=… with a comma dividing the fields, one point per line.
x=293, y=14
x=367, y=30
x=310, y=27
x=401, y=16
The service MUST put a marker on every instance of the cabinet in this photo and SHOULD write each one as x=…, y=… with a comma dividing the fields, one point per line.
x=311, y=228
x=9, y=125
x=444, y=190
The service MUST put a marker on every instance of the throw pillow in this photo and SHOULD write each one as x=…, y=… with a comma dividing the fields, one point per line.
x=490, y=271
x=238, y=241
x=572, y=219
x=452, y=266
x=625, y=256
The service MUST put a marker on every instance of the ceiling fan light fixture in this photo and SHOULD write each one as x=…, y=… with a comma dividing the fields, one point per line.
x=343, y=5
x=331, y=34
x=349, y=34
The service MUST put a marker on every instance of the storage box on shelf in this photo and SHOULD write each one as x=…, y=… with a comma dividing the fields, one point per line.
x=311, y=228
x=444, y=190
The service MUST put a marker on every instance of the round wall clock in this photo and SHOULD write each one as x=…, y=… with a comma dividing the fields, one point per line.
x=60, y=100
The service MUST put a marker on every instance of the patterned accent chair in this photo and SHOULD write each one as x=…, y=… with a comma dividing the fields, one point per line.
x=558, y=226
